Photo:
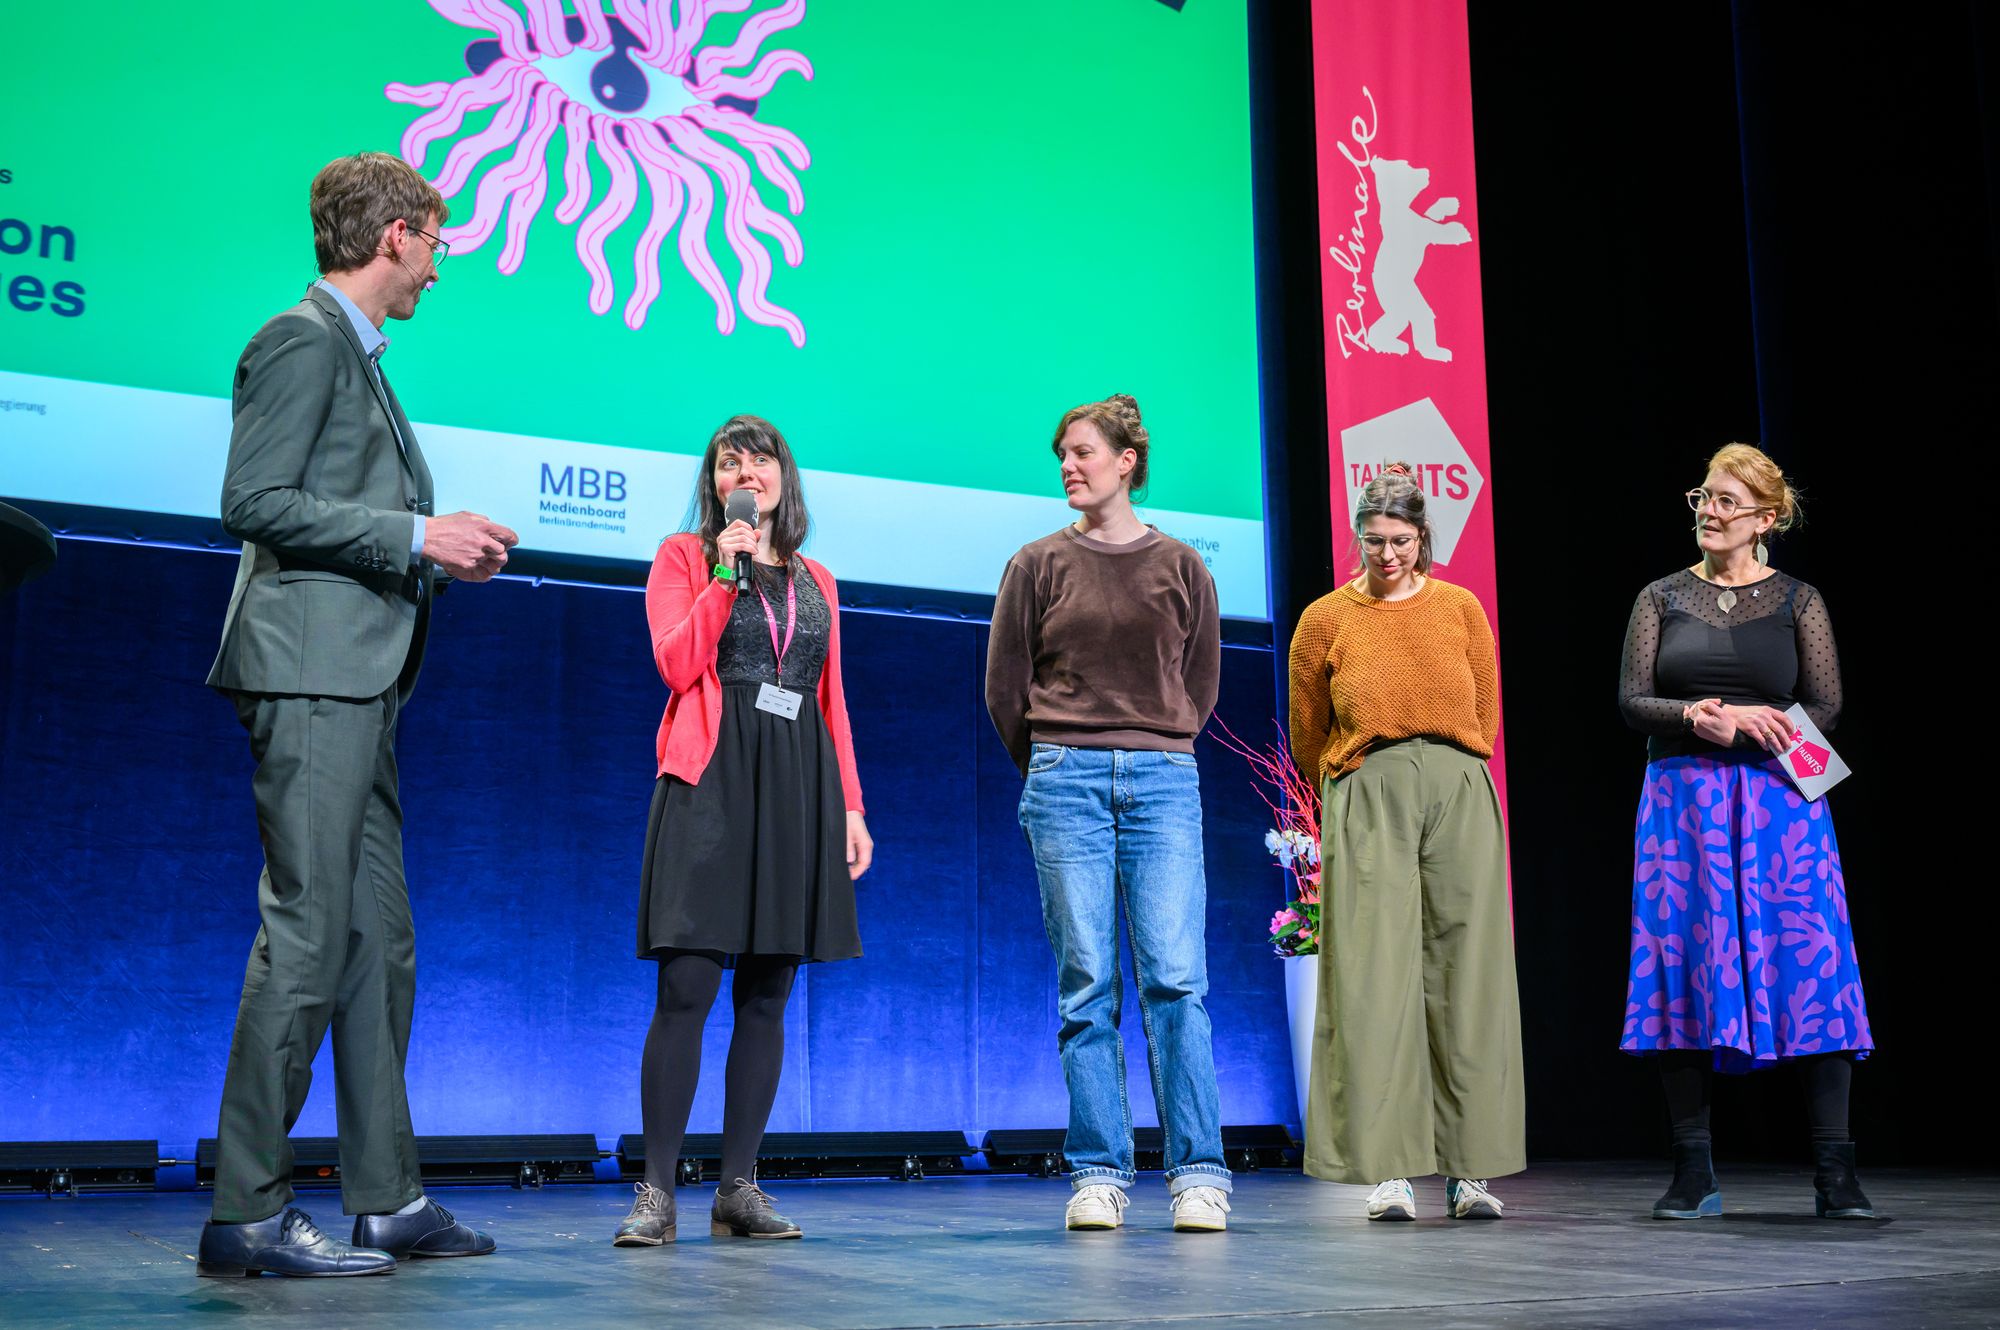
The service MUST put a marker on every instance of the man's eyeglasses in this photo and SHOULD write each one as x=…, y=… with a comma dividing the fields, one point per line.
x=440, y=249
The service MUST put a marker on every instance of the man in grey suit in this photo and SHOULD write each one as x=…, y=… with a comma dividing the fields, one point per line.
x=325, y=630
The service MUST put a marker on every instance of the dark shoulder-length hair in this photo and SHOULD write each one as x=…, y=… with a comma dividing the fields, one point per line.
x=790, y=523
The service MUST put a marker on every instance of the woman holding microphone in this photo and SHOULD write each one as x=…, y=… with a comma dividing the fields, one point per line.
x=756, y=830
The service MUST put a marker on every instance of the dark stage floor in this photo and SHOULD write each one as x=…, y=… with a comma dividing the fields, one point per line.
x=1575, y=1250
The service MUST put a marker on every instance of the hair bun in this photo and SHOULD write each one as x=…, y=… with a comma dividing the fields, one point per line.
x=1402, y=469
x=1125, y=402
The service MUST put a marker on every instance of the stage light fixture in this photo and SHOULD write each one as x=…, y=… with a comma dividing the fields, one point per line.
x=907, y=1156
x=517, y=1161
x=68, y=1168
x=1038, y=1152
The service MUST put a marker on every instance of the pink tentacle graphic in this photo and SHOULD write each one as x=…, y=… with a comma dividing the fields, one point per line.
x=685, y=155
x=759, y=81
x=632, y=13
x=507, y=26
x=666, y=188
x=693, y=239
x=694, y=18
x=609, y=214
x=659, y=21
x=761, y=150
x=422, y=94
x=460, y=12
x=522, y=207
x=545, y=20
x=741, y=51
x=473, y=94
x=506, y=181
x=576, y=164
x=467, y=153
x=737, y=191
x=596, y=32
x=742, y=191
x=747, y=130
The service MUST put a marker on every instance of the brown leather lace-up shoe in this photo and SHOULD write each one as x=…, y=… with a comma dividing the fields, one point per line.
x=747, y=1213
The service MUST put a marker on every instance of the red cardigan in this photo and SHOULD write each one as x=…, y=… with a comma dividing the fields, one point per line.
x=687, y=608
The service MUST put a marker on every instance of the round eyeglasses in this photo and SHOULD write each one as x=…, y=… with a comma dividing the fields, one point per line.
x=1725, y=505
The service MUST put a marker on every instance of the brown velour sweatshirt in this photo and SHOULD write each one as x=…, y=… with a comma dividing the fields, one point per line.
x=1103, y=646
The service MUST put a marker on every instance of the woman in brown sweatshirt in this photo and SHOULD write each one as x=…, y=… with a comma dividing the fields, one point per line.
x=1102, y=668
x=1395, y=705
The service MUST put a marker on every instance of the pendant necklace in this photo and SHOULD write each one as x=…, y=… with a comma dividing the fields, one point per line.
x=1725, y=600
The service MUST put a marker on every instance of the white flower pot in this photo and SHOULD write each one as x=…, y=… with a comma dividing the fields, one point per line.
x=1301, y=1003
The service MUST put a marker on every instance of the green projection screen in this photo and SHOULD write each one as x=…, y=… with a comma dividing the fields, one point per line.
x=911, y=234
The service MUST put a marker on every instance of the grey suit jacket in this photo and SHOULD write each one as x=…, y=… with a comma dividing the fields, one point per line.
x=327, y=602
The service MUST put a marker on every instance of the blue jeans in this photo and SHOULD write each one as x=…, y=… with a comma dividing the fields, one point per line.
x=1107, y=824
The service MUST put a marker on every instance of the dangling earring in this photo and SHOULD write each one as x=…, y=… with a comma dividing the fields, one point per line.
x=1763, y=553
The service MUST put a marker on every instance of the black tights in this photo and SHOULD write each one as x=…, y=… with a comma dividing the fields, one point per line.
x=1687, y=1075
x=689, y=981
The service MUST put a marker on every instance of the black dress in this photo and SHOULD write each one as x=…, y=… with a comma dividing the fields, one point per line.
x=752, y=859
x=1772, y=647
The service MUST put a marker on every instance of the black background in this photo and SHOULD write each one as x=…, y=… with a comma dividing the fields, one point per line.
x=1702, y=223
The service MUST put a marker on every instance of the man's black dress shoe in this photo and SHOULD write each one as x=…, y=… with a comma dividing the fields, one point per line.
x=431, y=1231
x=288, y=1243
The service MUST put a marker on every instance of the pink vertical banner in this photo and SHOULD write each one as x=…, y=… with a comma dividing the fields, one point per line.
x=1399, y=264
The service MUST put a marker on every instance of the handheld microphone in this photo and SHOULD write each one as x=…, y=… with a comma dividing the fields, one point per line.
x=741, y=506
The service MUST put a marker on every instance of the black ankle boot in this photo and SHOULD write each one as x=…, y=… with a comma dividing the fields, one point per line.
x=1694, y=1192
x=1840, y=1195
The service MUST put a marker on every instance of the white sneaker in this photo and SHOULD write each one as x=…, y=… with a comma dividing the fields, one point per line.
x=1467, y=1199
x=1099, y=1205
x=1394, y=1199
x=1201, y=1210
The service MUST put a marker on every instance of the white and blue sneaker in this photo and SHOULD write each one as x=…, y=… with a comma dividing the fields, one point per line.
x=1394, y=1199
x=1466, y=1199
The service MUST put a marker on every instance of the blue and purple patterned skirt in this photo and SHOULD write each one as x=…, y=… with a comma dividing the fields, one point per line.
x=1740, y=938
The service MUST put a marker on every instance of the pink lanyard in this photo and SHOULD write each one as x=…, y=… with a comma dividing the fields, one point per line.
x=791, y=621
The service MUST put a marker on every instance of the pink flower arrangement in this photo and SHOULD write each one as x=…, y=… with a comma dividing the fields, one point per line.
x=1293, y=843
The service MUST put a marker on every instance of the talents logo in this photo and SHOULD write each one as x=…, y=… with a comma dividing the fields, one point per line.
x=1416, y=434
x=1808, y=759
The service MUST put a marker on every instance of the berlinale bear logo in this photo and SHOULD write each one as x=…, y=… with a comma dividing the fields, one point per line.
x=1406, y=234
x=1393, y=186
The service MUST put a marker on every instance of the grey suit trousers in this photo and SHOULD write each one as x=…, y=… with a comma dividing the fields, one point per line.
x=337, y=948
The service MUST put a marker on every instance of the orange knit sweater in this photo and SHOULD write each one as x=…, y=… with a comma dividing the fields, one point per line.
x=1367, y=671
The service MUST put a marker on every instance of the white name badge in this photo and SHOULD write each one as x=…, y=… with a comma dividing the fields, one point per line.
x=1810, y=763
x=781, y=702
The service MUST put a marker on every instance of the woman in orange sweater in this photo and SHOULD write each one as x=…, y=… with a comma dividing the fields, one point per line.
x=1395, y=704
x=756, y=832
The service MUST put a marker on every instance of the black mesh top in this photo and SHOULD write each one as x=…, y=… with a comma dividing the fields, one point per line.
x=745, y=655
x=1772, y=647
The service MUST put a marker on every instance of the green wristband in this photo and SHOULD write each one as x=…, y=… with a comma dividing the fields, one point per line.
x=725, y=572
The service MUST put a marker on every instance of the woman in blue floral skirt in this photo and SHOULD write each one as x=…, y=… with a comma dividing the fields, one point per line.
x=1742, y=953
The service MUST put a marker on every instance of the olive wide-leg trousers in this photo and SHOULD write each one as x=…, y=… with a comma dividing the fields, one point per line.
x=1417, y=1039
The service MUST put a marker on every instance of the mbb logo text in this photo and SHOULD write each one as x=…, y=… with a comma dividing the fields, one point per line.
x=584, y=482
